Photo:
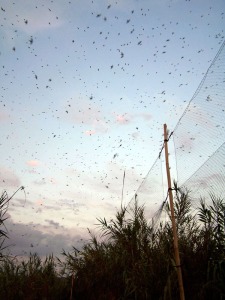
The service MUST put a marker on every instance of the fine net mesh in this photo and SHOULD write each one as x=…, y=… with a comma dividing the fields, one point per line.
x=152, y=192
x=199, y=135
x=199, y=144
x=209, y=178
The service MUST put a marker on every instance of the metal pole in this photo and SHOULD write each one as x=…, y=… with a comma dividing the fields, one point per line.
x=175, y=238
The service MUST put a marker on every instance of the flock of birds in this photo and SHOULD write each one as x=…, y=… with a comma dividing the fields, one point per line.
x=86, y=88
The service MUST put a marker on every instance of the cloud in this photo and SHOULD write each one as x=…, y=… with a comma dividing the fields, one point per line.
x=82, y=112
x=54, y=207
x=135, y=135
x=145, y=116
x=100, y=126
x=32, y=171
x=8, y=178
x=39, y=202
x=33, y=238
x=3, y=116
x=33, y=163
x=46, y=180
x=90, y=132
x=30, y=18
x=85, y=112
x=39, y=22
x=39, y=182
x=122, y=119
x=20, y=202
x=53, y=223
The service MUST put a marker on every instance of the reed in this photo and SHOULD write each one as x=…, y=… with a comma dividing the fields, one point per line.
x=130, y=258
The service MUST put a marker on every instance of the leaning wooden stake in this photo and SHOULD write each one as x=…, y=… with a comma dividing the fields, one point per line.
x=175, y=239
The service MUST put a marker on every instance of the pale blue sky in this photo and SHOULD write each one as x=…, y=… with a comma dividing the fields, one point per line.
x=82, y=81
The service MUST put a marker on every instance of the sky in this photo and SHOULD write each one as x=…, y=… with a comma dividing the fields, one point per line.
x=86, y=87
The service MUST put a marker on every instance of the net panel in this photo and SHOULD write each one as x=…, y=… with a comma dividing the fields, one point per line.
x=200, y=131
x=199, y=145
x=152, y=191
x=209, y=178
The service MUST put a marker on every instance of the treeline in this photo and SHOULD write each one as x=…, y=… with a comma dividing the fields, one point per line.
x=130, y=259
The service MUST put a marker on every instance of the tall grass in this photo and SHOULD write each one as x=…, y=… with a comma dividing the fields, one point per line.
x=130, y=259
x=136, y=261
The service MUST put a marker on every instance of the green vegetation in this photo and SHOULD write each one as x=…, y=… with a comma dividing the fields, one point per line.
x=130, y=259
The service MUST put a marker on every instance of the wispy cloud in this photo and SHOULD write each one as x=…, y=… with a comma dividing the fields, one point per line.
x=47, y=180
x=145, y=116
x=90, y=132
x=100, y=126
x=4, y=116
x=39, y=182
x=81, y=111
x=135, y=135
x=8, y=178
x=53, y=223
x=33, y=163
x=125, y=118
x=31, y=18
x=122, y=119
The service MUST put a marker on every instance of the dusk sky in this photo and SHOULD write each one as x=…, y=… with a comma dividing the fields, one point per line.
x=86, y=87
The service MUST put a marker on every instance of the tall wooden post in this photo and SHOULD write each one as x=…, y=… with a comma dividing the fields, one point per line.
x=175, y=239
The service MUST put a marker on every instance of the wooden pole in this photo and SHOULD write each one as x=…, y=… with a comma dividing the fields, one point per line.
x=175, y=238
x=71, y=289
